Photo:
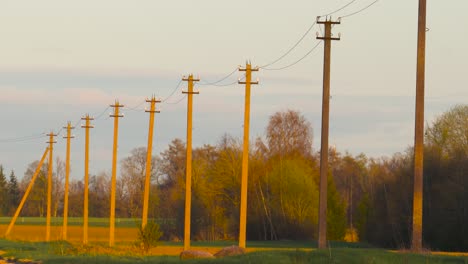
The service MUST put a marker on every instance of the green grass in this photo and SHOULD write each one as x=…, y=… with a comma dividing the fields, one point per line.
x=51, y=253
x=78, y=221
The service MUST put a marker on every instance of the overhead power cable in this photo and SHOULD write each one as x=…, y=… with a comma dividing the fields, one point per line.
x=178, y=101
x=136, y=107
x=296, y=62
x=339, y=9
x=173, y=92
x=292, y=48
x=220, y=80
x=23, y=138
x=360, y=10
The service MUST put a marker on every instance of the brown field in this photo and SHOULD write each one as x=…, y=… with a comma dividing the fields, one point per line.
x=36, y=233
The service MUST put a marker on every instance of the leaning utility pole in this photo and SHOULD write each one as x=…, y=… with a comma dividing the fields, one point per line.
x=49, y=183
x=245, y=154
x=149, y=156
x=116, y=117
x=416, y=243
x=67, y=177
x=26, y=193
x=188, y=164
x=87, y=126
x=322, y=230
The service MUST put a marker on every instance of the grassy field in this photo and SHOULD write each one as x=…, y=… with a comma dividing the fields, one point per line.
x=59, y=252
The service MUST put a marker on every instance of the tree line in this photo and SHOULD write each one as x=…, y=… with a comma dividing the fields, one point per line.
x=369, y=199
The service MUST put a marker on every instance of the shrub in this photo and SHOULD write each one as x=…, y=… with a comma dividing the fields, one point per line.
x=149, y=236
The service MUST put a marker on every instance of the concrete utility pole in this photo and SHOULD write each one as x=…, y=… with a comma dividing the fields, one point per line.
x=26, y=193
x=116, y=117
x=149, y=156
x=322, y=230
x=188, y=164
x=416, y=243
x=49, y=183
x=67, y=177
x=245, y=154
x=87, y=126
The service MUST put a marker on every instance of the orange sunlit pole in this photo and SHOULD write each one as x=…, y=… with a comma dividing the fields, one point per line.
x=67, y=177
x=26, y=193
x=86, y=126
x=188, y=167
x=153, y=101
x=245, y=155
x=49, y=183
x=116, y=117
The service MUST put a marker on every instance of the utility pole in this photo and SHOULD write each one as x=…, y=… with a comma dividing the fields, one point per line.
x=416, y=243
x=322, y=232
x=87, y=126
x=188, y=164
x=26, y=193
x=116, y=117
x=149, y=157
x=67, y=177
x=49, y=183
x=245, y=154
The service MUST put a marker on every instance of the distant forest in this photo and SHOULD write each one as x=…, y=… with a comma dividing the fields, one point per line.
x=370, y=198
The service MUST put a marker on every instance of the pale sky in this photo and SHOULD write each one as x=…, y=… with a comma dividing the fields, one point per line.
x=62, y=59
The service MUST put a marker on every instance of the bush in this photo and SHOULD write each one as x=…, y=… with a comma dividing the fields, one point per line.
x=149, y=236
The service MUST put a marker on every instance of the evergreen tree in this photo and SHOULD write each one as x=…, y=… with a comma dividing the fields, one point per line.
x=13, y=193
x=3, y=193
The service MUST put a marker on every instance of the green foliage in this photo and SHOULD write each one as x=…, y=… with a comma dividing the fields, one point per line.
x=336, y=213
x=362, y=217
x=149, y=236
x=294, y=197
x=4, y=203
x=13, y=193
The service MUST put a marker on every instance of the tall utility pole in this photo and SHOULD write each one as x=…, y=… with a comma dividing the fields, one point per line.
x=149, y=156
x=49, y=182
x=116, y=117
x=416, y=243
x=188, y=164
x=26, y=193
x=67, y=177
x=245, y=154
x=322, y=232
x=87, y=126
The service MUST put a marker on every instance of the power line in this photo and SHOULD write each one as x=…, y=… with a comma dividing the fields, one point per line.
x=23, y=138
x=178, y=101
x=102, y=113
x=339, y=9
x=296, y=62
x=220, y=80
x=361, y=10
x=292, y=48
x=173, y=92
x=135, y=108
